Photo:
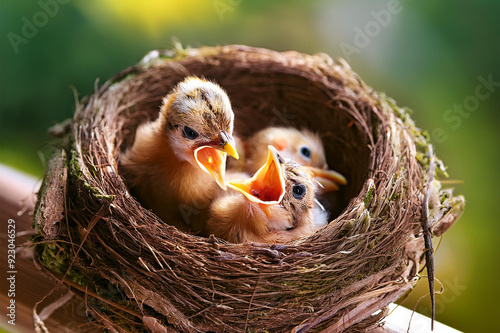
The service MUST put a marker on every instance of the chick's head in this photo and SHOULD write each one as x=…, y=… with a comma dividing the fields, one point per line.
x=198, y=120
x=299, y=197
x=284, y=190
x=304, y=147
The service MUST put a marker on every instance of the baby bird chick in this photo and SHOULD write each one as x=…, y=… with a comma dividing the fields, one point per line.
x=275, y=205
x=304, y=147
x=175, y=159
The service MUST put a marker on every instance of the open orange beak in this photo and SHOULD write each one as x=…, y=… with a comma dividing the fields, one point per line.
x=213, y=162
x=267, y=186
x=328, y=179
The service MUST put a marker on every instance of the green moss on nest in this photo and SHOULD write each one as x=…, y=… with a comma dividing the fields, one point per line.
x=74, y=168
x=369, y=196
x=77, y=173
x=54, y=257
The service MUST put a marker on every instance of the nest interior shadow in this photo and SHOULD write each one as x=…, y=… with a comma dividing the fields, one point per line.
x=141, y=273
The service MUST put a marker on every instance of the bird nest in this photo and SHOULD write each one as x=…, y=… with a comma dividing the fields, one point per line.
x=138, y=273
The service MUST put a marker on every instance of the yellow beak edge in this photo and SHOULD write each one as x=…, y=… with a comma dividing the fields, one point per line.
x=230, y=149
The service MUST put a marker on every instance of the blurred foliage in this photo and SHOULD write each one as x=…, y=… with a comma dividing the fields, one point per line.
x=427, y=56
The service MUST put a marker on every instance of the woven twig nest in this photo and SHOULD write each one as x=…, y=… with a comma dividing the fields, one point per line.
x=136, y=272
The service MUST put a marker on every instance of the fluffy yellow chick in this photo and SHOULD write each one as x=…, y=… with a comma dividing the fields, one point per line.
x=304, y=147
x=177, y=162
x=275, y=205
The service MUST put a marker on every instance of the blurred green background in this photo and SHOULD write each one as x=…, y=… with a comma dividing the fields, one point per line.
x=434, y=57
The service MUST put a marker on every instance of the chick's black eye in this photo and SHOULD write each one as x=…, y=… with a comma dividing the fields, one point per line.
x=189, y=133
x=298, y=191
x=306, y=152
